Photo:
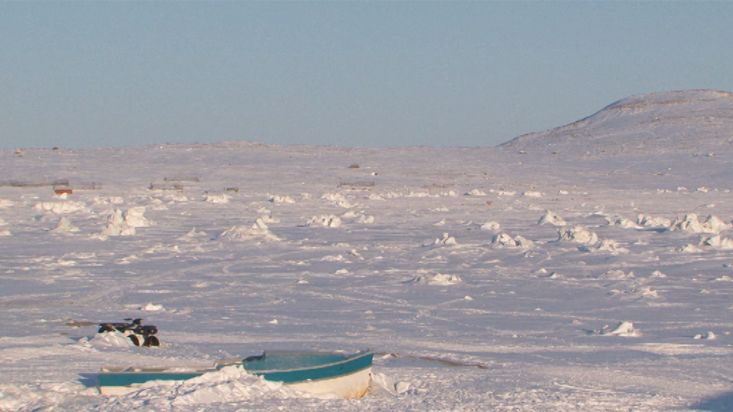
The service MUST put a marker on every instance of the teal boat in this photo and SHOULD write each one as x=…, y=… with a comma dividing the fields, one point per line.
x=320, y=373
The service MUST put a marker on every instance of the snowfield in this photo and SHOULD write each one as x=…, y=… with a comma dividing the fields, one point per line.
x=586, y=268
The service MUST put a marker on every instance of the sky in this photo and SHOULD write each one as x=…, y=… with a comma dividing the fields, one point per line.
x=364, y=74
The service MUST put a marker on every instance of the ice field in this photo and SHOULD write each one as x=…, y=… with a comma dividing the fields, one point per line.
x=589, y=267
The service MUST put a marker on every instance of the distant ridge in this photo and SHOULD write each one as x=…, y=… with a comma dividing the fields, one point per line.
x=682, y=121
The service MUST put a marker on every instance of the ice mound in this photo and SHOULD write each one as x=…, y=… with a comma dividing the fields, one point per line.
x=365, y=219
x=258, y=230
x=445, y=240
x=135, y=217
x=654, y=222
x=606, y=245
x=436, y=279
x=625, y=329
x=418, y=195
x=504, y=240
x=690, y=223
x=615, y=274
x=108, y=200
x=579, y=234
x=634, y=291
x=277, y=199
x=216, y=390
x=176, y=197
x=334, y=258
x=612, y=246
x=542, y=272
x=622, y=222
x=491, y=226
x=162, y=248
x=117, y=225
x=717, y=242
x=648, y=292
x=157, y=204
x=689, y=248
x=107, y=340
x=5, y=203
x=658, y=274
x=351, y=214
x=359, y=217
x=217, y=199
x=532, y=193
x=267, y=218
x=507, y=193
x=5, y=233
x=476, y=192
x=715, y=224
x=551, y=218
x=61, y=207
x=65, y=226
x=705, y=336
x=151, y=307
x=193, y=234
x=338, y=199
x=124, y=223
x=382, y=383
x=331, y=221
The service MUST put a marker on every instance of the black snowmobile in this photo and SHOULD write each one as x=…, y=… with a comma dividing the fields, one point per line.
x=139, y=335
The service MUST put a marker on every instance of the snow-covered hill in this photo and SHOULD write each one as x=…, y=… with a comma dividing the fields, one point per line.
x=688, y=121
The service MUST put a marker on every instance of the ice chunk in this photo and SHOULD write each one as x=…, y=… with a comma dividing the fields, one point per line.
x=445, y=240
x=504, y=240
x=331, y=221
x=437, y=279
x=625, y=329
x=65, y=226
x=551, y=218
x=579, y=234
x=491, y=226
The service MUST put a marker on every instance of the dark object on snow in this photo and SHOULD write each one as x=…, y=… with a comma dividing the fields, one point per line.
x=62, y=190
x=139, y=335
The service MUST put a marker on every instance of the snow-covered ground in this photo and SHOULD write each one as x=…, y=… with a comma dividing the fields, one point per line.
x=505, y=278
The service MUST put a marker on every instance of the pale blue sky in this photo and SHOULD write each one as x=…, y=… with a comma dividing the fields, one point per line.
x=85, y=74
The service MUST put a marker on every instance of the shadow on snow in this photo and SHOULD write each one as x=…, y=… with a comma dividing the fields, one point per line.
x=720, y=403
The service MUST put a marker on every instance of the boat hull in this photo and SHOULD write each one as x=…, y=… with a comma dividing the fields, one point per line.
x=315, y=373
x=351, y=386
x=124, y=382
